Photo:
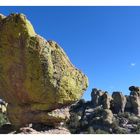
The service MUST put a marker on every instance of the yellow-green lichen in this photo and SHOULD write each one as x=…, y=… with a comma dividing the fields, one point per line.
x=35, y=75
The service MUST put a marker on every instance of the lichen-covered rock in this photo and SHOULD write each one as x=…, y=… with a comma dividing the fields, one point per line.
x=36, y=76
x=119, y=102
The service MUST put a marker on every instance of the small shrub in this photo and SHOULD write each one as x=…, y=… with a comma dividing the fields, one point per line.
x=3, y=119
x=137, y=129
x=99, y=131
x=134, y=120
x=120, y=130
x=91, y=130
x=126, y=115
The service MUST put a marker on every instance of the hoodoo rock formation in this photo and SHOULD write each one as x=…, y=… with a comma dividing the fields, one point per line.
x=119, y=102
x=135, y=99
x=107, y=114
x=36, y=76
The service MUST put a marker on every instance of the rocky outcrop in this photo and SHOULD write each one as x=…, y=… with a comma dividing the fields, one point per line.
x=105, y=114
x=106, y=100
x=99, y=97
x=84, y=118
x=36, y=76
x=96, y=97
x=34, y=129
x=135, y=99
x=119, y=102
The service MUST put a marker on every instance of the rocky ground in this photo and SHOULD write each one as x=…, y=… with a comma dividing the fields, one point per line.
x=34, y=129
x=106, y=114
x=88, y=120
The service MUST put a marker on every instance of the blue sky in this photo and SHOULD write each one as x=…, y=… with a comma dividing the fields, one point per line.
x=103, y=42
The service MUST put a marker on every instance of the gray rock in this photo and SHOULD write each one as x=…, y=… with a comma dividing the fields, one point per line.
x=106, y=99
x=134, y=88
x=128, y=106
x=135, y=99
x=119, y=102
x=96, y=97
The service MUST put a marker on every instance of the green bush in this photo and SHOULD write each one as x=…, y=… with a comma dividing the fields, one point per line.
x=99, y=131
x=137, y=130
x=3, y=119
x=134, y=119
x=124, y=115
x=120, y=130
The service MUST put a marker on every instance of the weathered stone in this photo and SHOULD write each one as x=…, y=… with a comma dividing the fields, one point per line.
x=119, y=102
x=106, y=99
x=128, y=106
x=99, y=97
x=74, y=123
x=36, y=75
x=24, y=115
x=98, y=117
x=78, y=107
x=135, y=99
x=134, y=88
x=96, y=97
x=107, y=116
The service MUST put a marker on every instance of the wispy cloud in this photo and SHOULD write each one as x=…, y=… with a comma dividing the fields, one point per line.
x=133, y=64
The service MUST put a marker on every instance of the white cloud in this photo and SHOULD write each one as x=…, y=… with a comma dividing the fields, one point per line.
x=133, y=64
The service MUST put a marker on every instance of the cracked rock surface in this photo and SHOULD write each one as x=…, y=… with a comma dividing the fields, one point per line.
x=36, y=76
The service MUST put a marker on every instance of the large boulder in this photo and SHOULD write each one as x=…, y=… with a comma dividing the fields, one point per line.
x=36, y=76
x=119, y=102
x=100, y=98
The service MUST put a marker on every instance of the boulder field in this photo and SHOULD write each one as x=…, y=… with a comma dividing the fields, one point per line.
x=106, y=113
x=37, y=79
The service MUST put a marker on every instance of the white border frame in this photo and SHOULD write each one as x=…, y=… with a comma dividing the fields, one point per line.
x=69, y=2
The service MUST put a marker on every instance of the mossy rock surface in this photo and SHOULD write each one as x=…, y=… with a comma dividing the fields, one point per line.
x=34, y=72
